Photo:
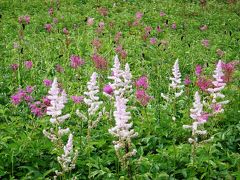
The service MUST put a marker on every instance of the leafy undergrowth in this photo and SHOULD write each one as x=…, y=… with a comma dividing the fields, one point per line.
x=72, y=39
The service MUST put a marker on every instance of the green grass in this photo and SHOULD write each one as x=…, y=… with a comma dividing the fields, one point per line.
x=24, y=151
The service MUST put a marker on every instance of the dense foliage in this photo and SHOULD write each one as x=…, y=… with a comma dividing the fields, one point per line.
x=145, y=99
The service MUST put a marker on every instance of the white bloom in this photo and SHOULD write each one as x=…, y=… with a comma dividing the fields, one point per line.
x=176, y=79
x=218, y=87
x=57, y=101
x=91, y=99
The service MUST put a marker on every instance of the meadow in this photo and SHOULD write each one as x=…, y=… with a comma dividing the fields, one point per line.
x=119, y=89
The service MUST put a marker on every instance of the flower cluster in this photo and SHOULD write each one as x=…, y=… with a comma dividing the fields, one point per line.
x=76, y=61
x=176, y=84
x=141, y=95
x=68, y=159
x=122, y=79
x=215, y=92
x=199, y=117
x=58, y=98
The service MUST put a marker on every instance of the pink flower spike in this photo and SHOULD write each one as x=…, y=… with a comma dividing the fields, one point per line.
x=159, y=29
x=47, y=82
x=16, y=99
x=27, y=19
x=48, y=27
x=28, y=64
x=198, y=70
x=205, y=42
x=187, y=81
x=153, y=41
x=29, y=89
x=76, y=61
x=50, y=11
x=77, y=99
x=162, y=14
x=139, y=15
x=65, y=31
x=174, y=26
x=14, y=67
x=142, y=82
x=108, y=89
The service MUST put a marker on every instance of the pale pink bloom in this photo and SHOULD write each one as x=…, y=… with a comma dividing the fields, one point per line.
x=90, y=21
x=27, y=19
x=76, y=61
x=48, y=27
x=139, y=15
x=174, y=26
x=205, y=42
x=28, y=64
x=203, y=28
x=50, y=11
x=153, y=41
x=91, y=98
x=65, y=31
x=162, y=14
x=159, y=29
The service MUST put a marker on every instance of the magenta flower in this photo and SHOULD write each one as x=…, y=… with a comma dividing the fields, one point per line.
x=76, y=61
x=117, y=36
x=14, y=67
x=159, y=29
x=187, y=81
x=205, y=42
x=228, y=70
x=16, y=99
x=153, y=41
x=162, y=14
x=48, y=27
x=47, y=82
x=46, y=101
x=50, y=11
x=37, y=108
x=203, y=83
x=108, y=89
x=198, y=70
x=28, y=64
x=142, y=82
x=29, y=89
x=139, y=15
x=65, y=31
x=142, y=97
x=99, y=61
x=77, y=99
x=174, y=26
x=27, y=19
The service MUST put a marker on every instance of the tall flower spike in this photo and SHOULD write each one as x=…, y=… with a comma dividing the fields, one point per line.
x=176, y=79
x=122, y=79
x=122, y=127
x=218, y=86
x=68, y=159
x=92, y=100
x=57, y=101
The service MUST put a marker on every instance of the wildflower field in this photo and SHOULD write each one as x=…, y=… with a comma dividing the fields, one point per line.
x=119, y=89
